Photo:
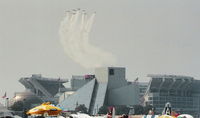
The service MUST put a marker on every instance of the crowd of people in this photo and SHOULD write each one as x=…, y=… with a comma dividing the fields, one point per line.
x=166, y=111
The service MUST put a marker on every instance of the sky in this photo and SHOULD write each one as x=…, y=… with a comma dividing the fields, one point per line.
x=145, y=36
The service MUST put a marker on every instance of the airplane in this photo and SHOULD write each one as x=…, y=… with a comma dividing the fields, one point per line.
x=44, y=110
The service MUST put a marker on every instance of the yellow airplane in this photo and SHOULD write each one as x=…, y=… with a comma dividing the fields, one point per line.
x=45, y=109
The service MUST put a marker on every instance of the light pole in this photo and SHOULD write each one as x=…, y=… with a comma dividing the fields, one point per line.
x=7, y=102
x=24, y=108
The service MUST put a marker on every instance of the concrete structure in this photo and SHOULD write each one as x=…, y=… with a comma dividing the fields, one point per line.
x=77, y=82
x=44, y=88
x=182, y=92
x=109, y=87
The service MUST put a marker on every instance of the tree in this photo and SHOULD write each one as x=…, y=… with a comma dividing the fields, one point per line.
x=81, y=108
x=103, y=110
x=122, y=110
x=17, y=106
x=148, y=108
x=138, y=109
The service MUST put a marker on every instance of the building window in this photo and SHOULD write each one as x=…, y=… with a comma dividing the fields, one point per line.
x=111, y=71
x=150, y=98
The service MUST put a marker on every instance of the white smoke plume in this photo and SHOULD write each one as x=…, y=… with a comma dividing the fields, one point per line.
x=74, y=36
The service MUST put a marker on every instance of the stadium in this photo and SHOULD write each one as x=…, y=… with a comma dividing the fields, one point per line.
x=183, y=92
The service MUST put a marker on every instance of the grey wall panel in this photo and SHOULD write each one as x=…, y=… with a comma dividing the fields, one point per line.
x=77, y=83
x=82, y=96
x=127, y=95
x=101, y=94
x=117, y=79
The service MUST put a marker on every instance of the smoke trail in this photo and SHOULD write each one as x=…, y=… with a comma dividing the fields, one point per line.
x=74, y=36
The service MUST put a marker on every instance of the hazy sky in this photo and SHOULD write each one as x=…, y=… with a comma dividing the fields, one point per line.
x=146, y=36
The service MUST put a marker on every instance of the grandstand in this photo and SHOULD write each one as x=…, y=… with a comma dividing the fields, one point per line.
x=44, y=88
x=183, y=92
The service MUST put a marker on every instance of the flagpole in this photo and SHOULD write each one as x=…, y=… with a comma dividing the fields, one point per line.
x=4, y=102
x=7, y=102
x=59, y=85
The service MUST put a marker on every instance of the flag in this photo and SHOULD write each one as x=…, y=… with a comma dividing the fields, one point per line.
x=4, y=96
x=136, y=80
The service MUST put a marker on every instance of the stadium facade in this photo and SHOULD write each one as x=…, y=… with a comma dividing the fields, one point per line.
x=42, y=88
x=107, y=87
x=182, y=92
x=142, y=88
